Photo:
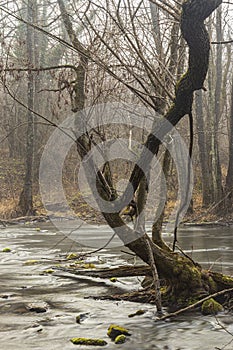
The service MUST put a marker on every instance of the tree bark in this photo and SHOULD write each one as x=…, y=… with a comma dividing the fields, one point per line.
x=25, y=205
x=203, y=153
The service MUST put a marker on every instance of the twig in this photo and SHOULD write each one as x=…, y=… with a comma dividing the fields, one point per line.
x=38, y=114
x=227, y=331
x=186, y=255
x=37, y=69
x=3, y=223
x=222, y=42
x=223, y=327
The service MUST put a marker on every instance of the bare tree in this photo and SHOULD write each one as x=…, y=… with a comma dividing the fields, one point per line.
x=26, y=198
x=122, y=47
x=184, y=276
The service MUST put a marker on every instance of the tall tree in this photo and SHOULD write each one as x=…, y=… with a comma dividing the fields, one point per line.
x=25, y=205
x=229, y=177
x=203, y=151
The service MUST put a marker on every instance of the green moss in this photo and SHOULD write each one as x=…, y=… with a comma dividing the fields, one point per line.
x=6, y=250
x=137, y=313
x=227, y=279
x=89, y=266
x=211, y=307
x=212, y=284
x=114, y=331
x=79, y=262
x=71, y=256
x=31, y=262
x=192, y=301
x=113, y=279
x=180, y=80
x=49, y=271
x=78, y=319
x=88, y=341
x=120, y=339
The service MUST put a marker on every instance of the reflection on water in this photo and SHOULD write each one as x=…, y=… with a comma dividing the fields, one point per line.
x=22, y=285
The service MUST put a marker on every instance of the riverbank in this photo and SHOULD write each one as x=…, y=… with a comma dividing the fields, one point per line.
x=9, y=217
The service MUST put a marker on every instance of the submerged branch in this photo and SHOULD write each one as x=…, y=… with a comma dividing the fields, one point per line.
x=121, y=271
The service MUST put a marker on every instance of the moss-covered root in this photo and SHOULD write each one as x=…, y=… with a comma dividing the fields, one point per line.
x=114, y=331
x=88, y=341
x=211, y=307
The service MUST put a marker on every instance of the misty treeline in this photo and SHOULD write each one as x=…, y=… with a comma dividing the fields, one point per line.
x=58, y=57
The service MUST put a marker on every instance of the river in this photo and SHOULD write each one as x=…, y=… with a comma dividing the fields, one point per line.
x=24, y=286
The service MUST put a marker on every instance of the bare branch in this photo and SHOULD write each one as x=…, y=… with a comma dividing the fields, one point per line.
x=222, y=42
x=168, y=8
x=37, y=69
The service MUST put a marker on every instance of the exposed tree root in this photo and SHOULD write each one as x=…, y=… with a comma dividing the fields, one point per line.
x=213, y=284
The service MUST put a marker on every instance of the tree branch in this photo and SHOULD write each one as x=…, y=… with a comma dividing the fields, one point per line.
x=37, y=69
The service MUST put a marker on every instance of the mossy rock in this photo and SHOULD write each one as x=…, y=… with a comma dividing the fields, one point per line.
x=88, y=341
x=81, y=317
x=120, y=339
x=113, y=279
x=137, y=313
x=115, y=330
x=211, y=307
x=6, y=250
x=78, y=319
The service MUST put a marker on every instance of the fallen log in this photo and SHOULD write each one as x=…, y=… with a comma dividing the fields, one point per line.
x=121, y=271
x=23, y=219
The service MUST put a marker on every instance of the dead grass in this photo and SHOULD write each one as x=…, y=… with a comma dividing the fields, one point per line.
x=8, y=208
x=12, y=174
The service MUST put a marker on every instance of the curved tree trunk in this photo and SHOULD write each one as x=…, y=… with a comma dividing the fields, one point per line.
x=185, y=279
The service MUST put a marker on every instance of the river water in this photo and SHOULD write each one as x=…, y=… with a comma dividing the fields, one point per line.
x=25, y=286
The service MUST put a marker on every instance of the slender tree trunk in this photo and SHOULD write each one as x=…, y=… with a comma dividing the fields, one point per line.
x=174, y=48
x=229, y=177
x=157, y=225
x=214, y=114
x=25, y=206
x=203, y=153
x=218, y=101
x=156, y=29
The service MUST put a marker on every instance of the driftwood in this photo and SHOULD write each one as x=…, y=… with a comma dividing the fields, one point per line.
x=22, y=219
x=121, y=271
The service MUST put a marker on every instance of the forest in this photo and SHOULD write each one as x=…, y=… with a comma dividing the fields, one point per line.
x=119, y=114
